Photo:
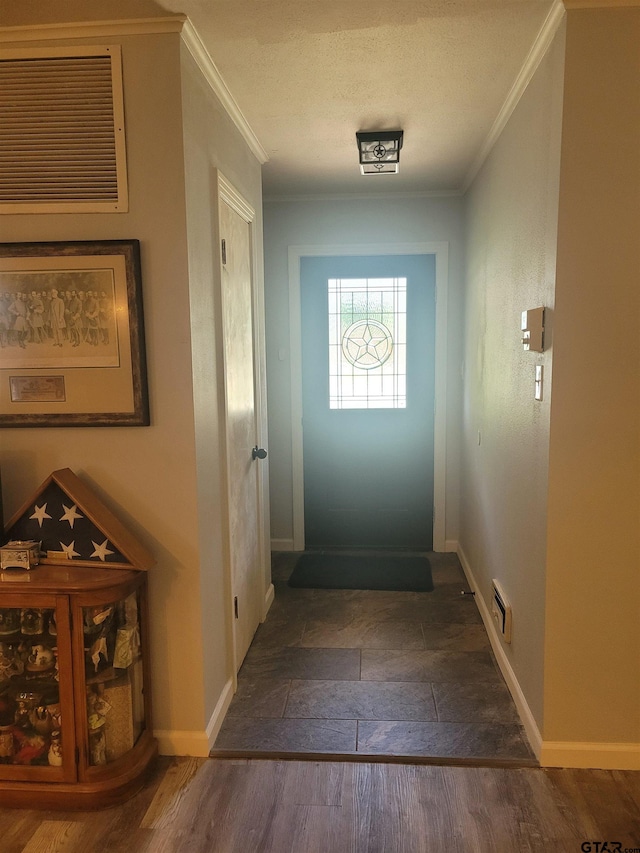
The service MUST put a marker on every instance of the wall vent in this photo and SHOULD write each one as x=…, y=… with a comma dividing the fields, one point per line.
x=501, y=610
x=62, y=143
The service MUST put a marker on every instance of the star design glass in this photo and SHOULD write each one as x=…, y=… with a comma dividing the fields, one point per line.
x=367, y=343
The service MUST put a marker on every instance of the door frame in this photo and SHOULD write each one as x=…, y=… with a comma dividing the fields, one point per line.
x=227, y=193
x=440, y=250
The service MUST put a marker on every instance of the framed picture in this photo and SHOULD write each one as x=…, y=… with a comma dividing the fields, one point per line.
x=72, y=349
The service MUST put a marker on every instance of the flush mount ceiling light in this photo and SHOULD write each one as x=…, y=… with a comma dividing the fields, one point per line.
x=379, y=151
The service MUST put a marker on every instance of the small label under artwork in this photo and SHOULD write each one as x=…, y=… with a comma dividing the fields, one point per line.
x=37, y=389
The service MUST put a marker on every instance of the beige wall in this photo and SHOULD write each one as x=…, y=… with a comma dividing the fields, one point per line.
x=340, y=223
x=592, y=652
x=144, y=475
x=163, y=480
x=511, y=212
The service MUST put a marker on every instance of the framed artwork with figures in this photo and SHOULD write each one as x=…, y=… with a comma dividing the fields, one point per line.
x=72, y=350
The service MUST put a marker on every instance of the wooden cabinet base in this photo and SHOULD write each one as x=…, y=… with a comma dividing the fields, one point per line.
x=84, y=795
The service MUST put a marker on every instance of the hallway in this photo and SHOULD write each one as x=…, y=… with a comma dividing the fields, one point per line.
x=372, y=674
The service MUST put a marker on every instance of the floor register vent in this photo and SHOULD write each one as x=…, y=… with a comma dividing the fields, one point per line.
x=501, y=610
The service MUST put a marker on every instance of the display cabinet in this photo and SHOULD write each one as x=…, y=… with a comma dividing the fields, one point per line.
x=75, y=702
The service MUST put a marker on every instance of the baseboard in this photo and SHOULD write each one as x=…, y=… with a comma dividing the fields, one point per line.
x=522, y=706
x=600, y=756
x=222, y=706
x=268, y=600
x=196, y=743
x=173, y=742
x=282, y=545
x=451, y=546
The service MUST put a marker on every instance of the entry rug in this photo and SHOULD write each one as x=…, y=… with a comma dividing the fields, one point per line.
x=341, y=571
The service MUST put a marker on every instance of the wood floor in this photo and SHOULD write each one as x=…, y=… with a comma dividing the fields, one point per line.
x=253, y=806
x=250, y=805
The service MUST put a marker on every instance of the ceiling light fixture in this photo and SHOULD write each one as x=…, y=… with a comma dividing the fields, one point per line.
x=379, y=151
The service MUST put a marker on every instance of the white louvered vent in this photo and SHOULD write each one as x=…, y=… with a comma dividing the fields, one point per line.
x=62, y=132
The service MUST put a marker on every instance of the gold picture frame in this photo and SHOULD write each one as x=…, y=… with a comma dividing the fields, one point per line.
x=72, y=348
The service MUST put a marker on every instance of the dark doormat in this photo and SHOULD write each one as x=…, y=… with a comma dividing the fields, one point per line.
x=342, y=571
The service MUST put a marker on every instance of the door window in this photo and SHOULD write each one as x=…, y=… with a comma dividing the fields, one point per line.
x=367, y=343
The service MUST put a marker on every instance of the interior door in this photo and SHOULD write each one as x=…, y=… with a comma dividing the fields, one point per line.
x=368, y=348
x=241, y=426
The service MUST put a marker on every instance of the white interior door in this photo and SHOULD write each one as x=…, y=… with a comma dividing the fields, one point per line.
x=241, y=425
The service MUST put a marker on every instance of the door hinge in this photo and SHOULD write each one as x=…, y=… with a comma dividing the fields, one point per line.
x=224, y=252
x=235, y=606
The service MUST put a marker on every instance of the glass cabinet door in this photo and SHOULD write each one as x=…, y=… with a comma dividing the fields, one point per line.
x=30, y=699
x=114, y=678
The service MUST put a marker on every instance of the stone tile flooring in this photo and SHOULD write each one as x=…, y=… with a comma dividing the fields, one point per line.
x=372, y=673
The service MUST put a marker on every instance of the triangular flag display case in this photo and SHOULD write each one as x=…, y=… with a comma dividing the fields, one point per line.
x=75, y=699
x=72, y=523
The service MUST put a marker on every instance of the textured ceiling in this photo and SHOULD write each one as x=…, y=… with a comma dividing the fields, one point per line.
x=307, y=74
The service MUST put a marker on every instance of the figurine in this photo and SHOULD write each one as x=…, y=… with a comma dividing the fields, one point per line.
x=42, y=659
x=52, y=627
x=97, y=710
x=55, y=750
x=56, y=717
x=10, y=663
x=41, y=720
x=98, y=746
x=25, y=703
x=9, y=623
x=31, y=621
x=97, y=619
x=97, y=706
x=127, y=647
x=98, y=649
x=23, y=714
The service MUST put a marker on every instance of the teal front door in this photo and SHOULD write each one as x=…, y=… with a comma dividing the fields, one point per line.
x=368, y=344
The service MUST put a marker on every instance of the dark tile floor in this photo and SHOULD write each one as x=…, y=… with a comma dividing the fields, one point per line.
x=404, y=674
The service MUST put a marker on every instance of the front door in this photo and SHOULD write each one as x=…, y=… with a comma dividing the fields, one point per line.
x=241, y=426
x=368, y=343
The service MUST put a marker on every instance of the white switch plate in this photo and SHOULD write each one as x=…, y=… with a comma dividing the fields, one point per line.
x=539, y=380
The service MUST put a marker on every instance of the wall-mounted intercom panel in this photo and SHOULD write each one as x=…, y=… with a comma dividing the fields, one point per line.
x=532, y=326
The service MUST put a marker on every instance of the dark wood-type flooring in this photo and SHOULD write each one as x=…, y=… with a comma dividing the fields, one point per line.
x=264, y=806
x=374, y=674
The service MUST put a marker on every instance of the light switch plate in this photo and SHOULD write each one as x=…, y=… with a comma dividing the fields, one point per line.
x=539, y=380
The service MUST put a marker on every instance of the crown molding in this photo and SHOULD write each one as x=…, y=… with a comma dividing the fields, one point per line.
x=92, y=29
x=142, y=26
x=537, y=52
x=600, y=4
x=198, y=51
x=361, y=196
